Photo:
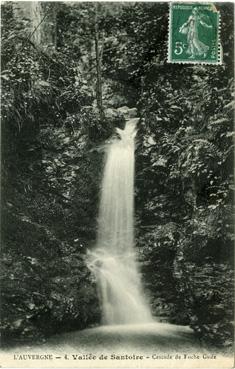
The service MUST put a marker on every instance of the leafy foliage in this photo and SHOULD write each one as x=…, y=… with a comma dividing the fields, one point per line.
x=184, y=175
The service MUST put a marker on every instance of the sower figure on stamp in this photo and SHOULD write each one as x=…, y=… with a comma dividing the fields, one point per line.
x=190, y=28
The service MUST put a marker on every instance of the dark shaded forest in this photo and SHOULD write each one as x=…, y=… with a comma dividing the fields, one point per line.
x=70, y=72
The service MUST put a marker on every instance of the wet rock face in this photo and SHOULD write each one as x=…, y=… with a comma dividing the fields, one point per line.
x=128, y=112
x=119, y=116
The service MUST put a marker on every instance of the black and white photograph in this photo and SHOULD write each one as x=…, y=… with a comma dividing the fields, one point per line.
x=117, y=184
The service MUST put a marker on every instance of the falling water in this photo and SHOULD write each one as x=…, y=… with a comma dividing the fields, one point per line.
x=113, y=261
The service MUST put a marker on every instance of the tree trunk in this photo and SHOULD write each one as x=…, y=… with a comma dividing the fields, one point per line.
x=98, y=57
x=41, y=19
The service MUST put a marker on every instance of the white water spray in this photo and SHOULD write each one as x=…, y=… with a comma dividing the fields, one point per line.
x=113, y=261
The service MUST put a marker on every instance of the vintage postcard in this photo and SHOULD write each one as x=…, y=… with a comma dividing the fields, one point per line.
x=117, y=184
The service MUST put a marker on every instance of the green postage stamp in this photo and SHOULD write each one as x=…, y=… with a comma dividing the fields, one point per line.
x=194, y=33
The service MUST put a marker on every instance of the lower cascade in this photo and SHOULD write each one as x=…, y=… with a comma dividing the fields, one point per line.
x=113, y=261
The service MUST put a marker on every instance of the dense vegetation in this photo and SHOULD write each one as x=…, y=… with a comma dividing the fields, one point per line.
x=55, y=122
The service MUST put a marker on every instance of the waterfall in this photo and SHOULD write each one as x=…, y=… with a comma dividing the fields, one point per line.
x=113, y=261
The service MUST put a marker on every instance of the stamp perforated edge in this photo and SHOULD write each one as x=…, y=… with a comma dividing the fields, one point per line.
x=169, y=42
